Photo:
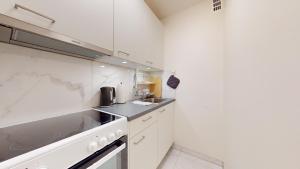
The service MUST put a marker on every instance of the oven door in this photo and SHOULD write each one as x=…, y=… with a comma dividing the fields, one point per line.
x=113, y=156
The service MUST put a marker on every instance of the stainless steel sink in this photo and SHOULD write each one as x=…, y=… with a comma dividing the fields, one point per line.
x=153, y=100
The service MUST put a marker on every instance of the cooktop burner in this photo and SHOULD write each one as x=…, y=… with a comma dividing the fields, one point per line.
x=20, y=139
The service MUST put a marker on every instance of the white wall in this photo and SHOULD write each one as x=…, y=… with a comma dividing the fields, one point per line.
x=36, y=84
x=262, y=80
x=193, y=48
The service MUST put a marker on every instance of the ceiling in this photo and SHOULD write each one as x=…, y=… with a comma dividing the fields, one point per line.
x=165, y=8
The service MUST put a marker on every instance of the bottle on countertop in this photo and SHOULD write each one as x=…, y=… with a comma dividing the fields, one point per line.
x=121, y=94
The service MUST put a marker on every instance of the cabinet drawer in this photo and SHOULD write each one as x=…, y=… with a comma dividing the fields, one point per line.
x=141, y=123
x=163, y=109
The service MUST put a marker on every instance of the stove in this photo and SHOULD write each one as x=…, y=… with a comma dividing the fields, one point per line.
x=31, y=141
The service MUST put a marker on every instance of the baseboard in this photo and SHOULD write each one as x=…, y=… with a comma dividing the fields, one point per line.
x=199, y=155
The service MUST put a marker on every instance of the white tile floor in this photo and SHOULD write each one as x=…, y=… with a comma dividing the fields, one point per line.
x=179, y=160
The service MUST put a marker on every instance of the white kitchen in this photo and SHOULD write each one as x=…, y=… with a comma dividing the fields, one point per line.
x=149, y=84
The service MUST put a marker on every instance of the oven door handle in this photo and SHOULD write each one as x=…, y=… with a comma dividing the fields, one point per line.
x=107, y=157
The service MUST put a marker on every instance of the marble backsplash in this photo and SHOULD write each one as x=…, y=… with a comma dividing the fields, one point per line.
x=36, y=84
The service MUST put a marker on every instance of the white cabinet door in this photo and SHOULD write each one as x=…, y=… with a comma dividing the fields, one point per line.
x=138, y=33
x=143, y=149
x=129, y=21
x=154, y=35
x=89, y=21
x=165, y=130
x=157, y=44
x=5, y=5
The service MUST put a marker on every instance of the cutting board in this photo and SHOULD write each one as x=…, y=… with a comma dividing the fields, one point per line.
x=156, y=87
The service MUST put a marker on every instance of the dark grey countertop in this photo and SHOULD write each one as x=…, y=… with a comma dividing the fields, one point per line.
x=132, y=111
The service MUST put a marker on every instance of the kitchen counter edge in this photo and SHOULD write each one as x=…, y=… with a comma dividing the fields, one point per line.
x=148, y=109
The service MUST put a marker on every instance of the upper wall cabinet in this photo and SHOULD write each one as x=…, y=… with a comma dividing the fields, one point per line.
x=129, y=23
x=154, y=44
x=89, y=21
x=138, y=33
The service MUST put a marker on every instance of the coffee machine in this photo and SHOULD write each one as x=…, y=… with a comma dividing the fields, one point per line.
x=107, y=96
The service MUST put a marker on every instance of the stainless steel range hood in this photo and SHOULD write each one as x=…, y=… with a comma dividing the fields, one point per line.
x=17, y=32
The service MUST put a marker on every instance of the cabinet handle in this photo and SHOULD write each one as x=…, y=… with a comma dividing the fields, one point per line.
x=124, y=53
x=32, y=11
x=138, y=142
x=162, y=111
x=150, y=117
x=149, y=62
x=77, y=42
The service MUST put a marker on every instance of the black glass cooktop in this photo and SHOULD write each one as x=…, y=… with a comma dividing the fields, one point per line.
x=20, y=139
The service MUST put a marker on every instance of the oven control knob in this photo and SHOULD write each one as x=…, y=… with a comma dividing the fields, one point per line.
x=93, y=147
x=112, y=137
x=102, y=142
x=119, y=133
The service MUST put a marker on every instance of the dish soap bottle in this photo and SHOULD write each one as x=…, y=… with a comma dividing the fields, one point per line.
x=120, y=94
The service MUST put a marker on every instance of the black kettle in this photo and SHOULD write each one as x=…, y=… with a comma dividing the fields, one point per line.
x=107, y=96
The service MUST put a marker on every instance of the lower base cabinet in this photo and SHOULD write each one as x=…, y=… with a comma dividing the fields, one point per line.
x=148, y=147
x=143, y=149
x=165, y=120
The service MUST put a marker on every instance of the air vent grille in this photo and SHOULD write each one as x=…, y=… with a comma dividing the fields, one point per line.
x=217, y=5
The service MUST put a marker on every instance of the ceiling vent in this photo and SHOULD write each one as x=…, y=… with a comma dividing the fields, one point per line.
x=217, y=5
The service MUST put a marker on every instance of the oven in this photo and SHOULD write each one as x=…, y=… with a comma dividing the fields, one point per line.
x=113, y=156
x=83, y=140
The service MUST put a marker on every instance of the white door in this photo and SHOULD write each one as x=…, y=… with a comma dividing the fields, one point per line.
x=165, y=132
x=143, y=149
x=89, y=21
